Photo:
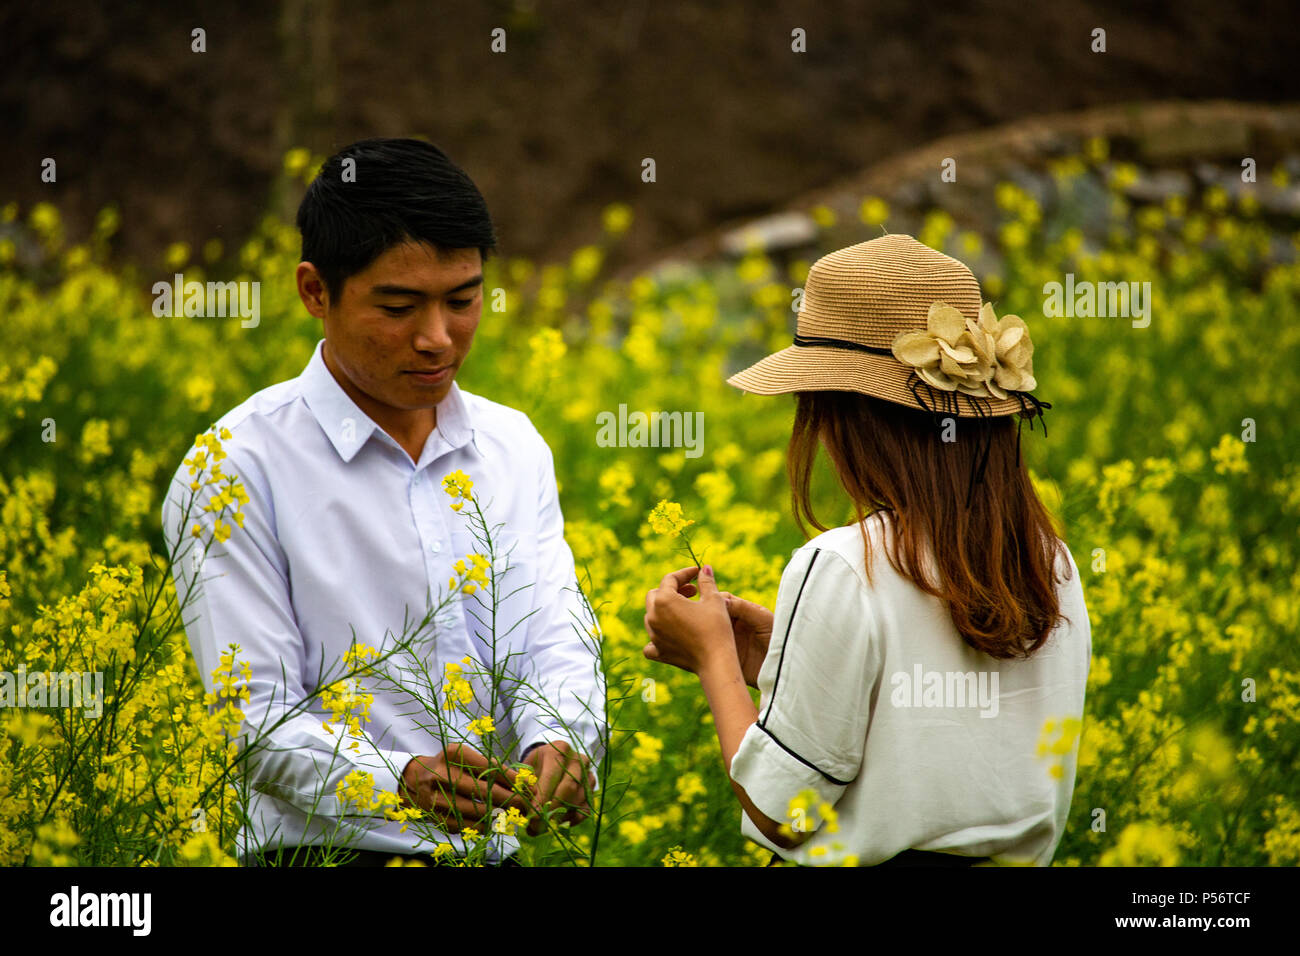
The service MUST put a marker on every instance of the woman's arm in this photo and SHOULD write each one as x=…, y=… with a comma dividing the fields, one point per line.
x=698, y=637
x=831, y=663
x=733, y=714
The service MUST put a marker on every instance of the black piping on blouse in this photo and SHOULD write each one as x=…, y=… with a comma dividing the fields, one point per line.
x=762, y=723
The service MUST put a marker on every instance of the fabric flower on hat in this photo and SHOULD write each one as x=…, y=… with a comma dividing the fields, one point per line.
x=985, y=359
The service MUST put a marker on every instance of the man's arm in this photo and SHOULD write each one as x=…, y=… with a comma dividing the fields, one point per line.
x=238, y=592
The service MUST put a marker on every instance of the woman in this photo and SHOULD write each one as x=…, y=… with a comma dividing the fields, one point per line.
x=920, y=663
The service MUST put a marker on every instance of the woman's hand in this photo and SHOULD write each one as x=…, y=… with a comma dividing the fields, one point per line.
x=698, y=637
x=752, y=626
x=685, y=633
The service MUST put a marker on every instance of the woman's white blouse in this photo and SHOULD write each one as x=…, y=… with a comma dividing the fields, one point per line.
x=872, y=701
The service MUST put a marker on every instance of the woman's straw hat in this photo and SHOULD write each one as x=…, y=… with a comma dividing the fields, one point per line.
x=895, y=319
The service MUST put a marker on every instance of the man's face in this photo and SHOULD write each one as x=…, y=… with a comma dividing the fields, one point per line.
x=409, y=313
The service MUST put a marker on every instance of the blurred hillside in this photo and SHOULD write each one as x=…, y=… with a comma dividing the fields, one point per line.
x=190, y=144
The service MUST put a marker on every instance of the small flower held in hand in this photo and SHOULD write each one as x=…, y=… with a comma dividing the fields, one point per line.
x=667, y=518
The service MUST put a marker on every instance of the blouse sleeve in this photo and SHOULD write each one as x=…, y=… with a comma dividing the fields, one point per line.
x=816, y=686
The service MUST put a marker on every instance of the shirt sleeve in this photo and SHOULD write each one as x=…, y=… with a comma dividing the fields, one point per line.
x=816, y=686
x=238, y=592
x=566, y=695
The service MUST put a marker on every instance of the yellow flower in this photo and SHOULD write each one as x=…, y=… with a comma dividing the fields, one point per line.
x=94, y=440
x=458, y=485
x=507, y=821
x=678, y=857
x=296, y=162
x=177, y=254
x=616, y=218
x=647, y=748
x=690, y=786
x=1122, y=176
x=873, y=211
x=456, y=690
x=525, y=779
x=667, y=518
x=481, y=726
x=615, y=482
x=1143, y=844
x=632, y=831
x=471, y=574
x=800, y=811
x=44, y=218
x=584, y=264
x=547, y=348
x=1230, y=456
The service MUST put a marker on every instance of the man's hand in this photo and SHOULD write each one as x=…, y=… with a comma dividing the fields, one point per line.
x=459, y=787
x=559, y=771
x=752, y=626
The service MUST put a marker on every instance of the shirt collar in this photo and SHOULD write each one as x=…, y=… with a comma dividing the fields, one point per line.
x=348, y=427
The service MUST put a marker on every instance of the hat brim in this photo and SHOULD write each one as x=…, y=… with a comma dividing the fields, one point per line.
x=800, y=368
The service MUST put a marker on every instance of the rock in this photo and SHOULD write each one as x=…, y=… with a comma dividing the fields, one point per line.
x=1281, y=250
x=671, y=271
x=1038, y=185
x=1087, y=205
x=1193, y=136
x=1283, y=202
x=1159, y=186
x=781, y=231
x=910, y=194
x=1208, y=173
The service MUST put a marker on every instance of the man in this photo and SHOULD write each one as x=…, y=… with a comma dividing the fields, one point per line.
x=348, y=531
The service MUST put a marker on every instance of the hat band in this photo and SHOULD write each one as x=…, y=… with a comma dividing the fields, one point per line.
x=814, y=340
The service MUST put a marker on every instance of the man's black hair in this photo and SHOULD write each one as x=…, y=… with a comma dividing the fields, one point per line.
x=405, y=189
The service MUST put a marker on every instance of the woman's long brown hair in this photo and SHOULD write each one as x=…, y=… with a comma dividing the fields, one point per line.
x=994, y=558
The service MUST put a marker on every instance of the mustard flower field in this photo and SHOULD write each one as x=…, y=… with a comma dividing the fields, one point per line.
x=1170, y=465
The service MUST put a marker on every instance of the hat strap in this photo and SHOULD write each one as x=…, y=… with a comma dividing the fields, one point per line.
x=814, y=340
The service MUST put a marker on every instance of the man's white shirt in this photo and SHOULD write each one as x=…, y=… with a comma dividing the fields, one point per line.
x=344, y=538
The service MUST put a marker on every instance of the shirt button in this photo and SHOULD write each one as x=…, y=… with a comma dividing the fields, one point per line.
x=435, y=547
x=415, y=480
